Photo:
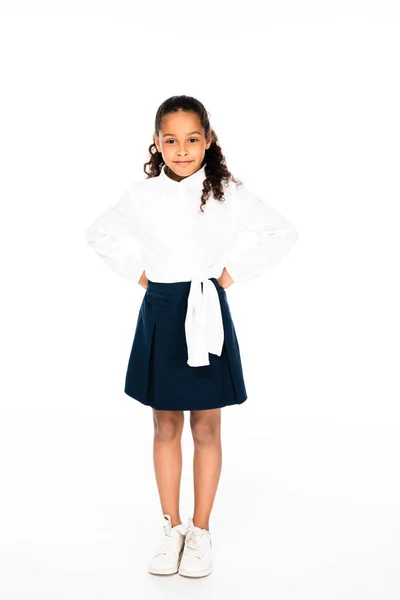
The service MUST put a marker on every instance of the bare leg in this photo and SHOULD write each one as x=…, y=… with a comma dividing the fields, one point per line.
x=167, y=458
x=207, y=462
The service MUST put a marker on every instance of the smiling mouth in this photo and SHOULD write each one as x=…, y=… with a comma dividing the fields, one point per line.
x=183, y=162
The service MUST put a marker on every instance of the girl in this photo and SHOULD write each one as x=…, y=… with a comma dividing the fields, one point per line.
x=176, y=233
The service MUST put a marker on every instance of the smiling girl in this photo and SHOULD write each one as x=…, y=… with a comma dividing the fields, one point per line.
x=184, y=221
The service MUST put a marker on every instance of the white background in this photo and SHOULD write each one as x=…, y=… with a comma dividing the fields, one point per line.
x=305, y=101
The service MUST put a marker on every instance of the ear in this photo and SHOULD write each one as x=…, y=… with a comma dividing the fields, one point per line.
x=156, y=141
x=209, y=140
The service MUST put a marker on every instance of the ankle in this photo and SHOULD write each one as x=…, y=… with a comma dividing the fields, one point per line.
x=201, y=524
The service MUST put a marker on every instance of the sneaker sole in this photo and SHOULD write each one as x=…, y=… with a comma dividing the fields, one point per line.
x=202, y=573
x=162, y=572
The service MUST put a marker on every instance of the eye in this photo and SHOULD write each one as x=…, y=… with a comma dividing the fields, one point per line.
x=170, y=140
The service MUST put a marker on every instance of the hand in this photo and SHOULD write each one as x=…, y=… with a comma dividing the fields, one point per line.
x=225, y=280
x=143, y=281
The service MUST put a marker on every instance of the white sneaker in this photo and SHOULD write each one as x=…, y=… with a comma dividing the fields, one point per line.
x=196, y=558
x=167, y=556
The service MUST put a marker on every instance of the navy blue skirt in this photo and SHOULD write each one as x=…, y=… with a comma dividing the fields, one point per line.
x=158, y=374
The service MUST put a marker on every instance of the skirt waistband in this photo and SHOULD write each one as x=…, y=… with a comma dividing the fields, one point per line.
x=175, y=288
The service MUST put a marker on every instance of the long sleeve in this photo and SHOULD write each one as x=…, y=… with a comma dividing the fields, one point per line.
x=275, y=235
x=113, y=236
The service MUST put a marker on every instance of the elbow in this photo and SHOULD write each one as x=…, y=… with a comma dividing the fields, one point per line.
x=293, y=234
x=88, y=235
x=91, y=235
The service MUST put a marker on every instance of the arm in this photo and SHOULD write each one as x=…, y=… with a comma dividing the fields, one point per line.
x=275, y=236
x=113, y=236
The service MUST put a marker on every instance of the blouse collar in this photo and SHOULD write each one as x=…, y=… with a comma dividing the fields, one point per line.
x=188, y=182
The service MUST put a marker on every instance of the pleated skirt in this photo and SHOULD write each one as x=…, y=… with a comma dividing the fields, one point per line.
x=158, y=374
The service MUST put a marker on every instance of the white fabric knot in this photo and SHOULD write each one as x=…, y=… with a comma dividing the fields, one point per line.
x=203, y=325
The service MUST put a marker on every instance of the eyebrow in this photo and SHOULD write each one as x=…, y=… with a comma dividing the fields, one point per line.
x=191, y=133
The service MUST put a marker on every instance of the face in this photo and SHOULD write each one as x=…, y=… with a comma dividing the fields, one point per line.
x=182, y=143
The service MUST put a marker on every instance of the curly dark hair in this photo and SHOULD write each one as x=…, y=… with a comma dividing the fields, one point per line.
x=216, y=170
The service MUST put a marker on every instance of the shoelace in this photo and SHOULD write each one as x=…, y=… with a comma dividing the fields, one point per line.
x=167, y=541
x=192, y=542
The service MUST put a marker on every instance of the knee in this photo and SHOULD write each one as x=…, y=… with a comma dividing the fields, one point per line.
x=205, y=431
x=167, y=428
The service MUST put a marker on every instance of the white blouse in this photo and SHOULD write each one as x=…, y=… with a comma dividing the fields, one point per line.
x=157, y=227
